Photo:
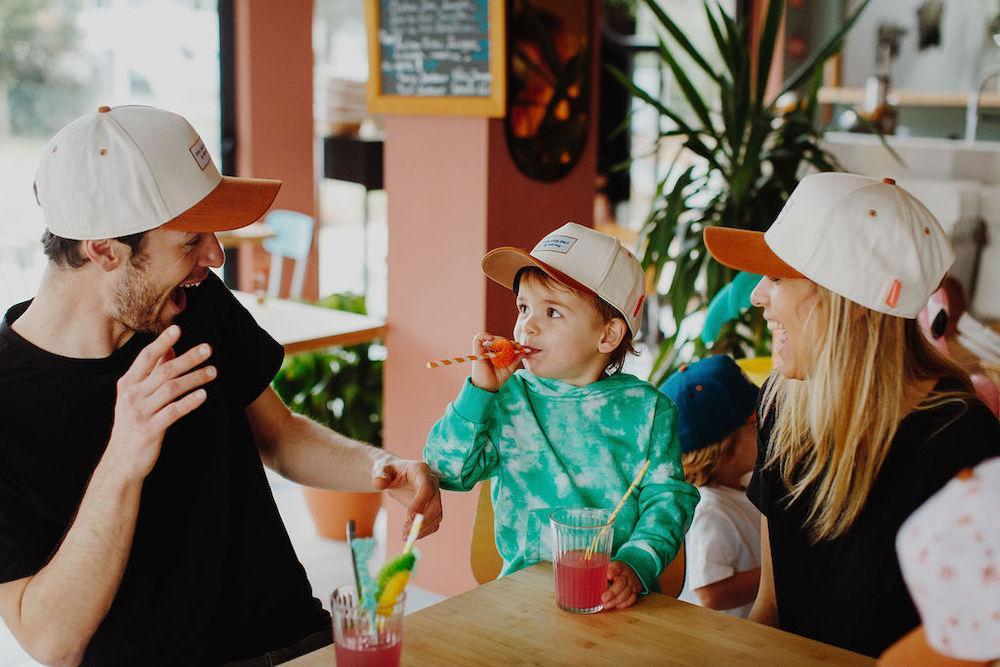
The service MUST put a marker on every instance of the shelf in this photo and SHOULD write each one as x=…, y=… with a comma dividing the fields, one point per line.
x=909, y=98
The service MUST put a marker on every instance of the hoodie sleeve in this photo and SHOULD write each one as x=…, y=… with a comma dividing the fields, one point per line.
x=666, y=503
x=460, y=447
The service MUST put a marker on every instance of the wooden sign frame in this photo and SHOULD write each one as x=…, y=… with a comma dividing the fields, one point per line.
x=494, y=106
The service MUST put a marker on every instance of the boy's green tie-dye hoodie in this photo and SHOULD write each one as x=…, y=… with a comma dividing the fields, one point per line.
x=550, y=445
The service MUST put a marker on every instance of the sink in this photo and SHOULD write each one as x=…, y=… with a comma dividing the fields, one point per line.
x=923, y=157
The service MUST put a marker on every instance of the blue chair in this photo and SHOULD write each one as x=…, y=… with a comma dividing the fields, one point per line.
x=293, y=239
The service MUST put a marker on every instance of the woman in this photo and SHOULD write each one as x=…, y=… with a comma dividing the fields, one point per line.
x=864, y=420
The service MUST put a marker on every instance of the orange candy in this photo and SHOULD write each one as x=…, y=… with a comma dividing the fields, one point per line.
x=504, y=350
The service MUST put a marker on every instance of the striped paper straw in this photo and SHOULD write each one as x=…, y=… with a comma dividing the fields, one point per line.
x=461, y=360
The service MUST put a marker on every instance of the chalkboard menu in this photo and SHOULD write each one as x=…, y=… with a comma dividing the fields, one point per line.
x=436, y=57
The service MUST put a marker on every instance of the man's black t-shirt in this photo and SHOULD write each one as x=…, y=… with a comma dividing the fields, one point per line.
x=849, y=591
x=211, y=575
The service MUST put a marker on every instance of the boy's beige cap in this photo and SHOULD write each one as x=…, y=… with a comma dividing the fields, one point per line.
x=866, y=239
x=580, y=258
x=128, y=169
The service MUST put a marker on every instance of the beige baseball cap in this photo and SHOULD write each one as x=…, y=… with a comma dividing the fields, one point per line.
x=867, y=239
x=580, y=258
x=129, y=169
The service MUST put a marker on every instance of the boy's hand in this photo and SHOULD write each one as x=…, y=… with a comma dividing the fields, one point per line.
x=624, y=588
x=484, y=374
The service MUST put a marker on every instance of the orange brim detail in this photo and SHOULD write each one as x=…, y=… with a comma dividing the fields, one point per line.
x=502, y=264
x=746, y=251
x=234, y=203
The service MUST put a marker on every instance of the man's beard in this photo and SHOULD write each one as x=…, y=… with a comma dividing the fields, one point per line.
x=137, y=303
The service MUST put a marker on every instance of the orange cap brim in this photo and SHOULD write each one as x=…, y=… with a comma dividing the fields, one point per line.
x=234, y=203
x=502, y=265
x=746, y=251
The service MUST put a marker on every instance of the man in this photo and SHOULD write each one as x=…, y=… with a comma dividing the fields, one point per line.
x=136, y=522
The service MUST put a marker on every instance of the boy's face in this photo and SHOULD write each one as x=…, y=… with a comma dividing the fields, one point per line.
x=565, y=330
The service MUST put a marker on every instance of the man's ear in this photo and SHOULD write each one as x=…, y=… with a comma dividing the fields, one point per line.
x=107, y=254
x=612, y=335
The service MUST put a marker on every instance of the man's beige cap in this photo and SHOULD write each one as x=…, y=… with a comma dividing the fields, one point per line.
x=128, y=169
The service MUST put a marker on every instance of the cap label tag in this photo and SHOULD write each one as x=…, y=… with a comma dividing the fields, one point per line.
x=200, y=154
x=638, y=305
x=556, y=243
x=892, y=297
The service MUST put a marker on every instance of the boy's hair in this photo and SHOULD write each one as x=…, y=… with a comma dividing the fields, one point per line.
x=605, y=311
x=701, y=466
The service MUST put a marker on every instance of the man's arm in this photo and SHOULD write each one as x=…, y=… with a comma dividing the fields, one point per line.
x=54, y=613
x=308, y=453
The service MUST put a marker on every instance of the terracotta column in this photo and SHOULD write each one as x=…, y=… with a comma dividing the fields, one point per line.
x=453, y=194
x=274, y=113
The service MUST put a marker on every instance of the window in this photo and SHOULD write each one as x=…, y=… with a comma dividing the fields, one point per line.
x=59, y=60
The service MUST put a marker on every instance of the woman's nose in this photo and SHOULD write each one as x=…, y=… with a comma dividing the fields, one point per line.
x=759, y=296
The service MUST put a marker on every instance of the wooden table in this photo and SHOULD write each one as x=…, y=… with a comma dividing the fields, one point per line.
x=253, y=233
x=300, y=326
x=514, y=620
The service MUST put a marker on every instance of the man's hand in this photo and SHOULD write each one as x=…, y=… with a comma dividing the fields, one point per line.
x=625, y=586
x=153, y=394
x=413, y=484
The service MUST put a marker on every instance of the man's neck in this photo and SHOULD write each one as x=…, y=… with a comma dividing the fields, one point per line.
x=69, y=317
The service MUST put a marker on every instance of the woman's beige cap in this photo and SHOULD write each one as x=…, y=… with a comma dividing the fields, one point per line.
x=129, y=169
x=866, y=239
x=583, y=259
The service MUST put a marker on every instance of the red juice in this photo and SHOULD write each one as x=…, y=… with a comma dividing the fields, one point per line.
x=355, y=651
x=580, y=582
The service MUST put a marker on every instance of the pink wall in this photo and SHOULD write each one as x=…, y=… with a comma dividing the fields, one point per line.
x=274, y=114
x=454, y=193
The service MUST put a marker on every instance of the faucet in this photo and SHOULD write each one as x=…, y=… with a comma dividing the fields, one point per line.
x=972, y=106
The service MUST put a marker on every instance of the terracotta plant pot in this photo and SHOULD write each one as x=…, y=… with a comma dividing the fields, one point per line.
x=331, y=509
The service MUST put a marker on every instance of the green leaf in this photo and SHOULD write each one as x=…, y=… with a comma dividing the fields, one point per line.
x=682, y=40
x=765, y=49
x=690, y=92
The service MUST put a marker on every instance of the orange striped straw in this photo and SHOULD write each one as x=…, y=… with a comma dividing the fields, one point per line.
x=451, y=361
x=461, y=360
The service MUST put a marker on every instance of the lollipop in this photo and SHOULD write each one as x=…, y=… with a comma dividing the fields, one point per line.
x=502, y=354
x=395, y=574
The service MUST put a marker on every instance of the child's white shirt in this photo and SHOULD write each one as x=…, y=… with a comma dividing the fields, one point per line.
x=724, y=539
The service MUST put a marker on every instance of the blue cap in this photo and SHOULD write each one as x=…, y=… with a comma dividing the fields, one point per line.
x=713, y=398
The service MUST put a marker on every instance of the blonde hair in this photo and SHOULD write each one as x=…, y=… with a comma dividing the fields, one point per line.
x=701, y=466
x=832, y=431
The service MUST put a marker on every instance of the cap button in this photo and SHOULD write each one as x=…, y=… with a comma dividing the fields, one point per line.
x=889, y=181
x=103, y=109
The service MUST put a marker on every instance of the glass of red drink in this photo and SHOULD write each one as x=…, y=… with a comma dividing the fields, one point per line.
x=362, y=638
x=581, y=550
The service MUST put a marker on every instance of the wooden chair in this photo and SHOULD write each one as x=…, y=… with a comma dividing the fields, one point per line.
x=487, y=563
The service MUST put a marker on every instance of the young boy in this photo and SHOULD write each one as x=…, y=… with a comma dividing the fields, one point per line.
x=715, y=405
x=569, y=430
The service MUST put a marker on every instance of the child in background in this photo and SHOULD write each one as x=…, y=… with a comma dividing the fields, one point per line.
x=949, y=555
x=569, y=430
x=715, y=405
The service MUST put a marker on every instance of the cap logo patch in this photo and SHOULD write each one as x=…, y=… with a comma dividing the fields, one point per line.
x=556, y=243
x=892, y=297
x=200, y=154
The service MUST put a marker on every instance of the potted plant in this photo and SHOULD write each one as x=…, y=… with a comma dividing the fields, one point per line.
x=744, y=153
x=339, y=387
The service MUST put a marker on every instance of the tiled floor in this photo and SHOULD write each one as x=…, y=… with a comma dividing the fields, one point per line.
x=326, y=562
